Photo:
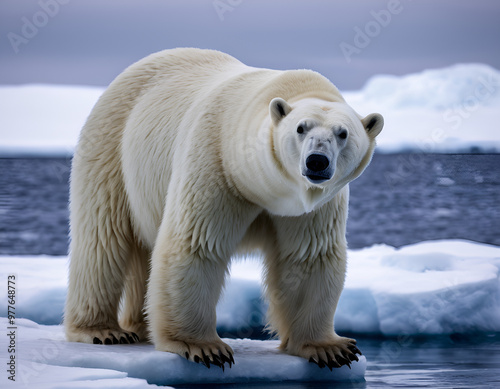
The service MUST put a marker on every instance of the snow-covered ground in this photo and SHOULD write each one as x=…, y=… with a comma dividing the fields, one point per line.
x=436, y=287
x=454, y=109
x=46, y=360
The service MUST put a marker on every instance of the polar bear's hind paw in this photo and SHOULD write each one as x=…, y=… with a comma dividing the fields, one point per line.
x=107, y=336
x=126, y=338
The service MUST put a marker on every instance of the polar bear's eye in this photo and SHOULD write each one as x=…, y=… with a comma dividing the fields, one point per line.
x=300, y=129
x=342, y=134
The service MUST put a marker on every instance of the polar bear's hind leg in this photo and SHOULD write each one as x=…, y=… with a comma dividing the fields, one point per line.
x=101, y=247
x=133, y=316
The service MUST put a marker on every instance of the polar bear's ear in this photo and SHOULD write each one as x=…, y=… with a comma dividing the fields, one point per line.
x=278, y=109
x=373, y=124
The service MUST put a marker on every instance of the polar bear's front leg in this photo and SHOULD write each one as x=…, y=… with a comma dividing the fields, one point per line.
x=183, y=291
x=303, y=299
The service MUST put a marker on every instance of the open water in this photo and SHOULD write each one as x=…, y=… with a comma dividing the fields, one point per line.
x=399, y=200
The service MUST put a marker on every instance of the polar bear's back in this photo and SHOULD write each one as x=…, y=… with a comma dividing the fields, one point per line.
x=176, y=88
x=197, y=64
x=155, y=107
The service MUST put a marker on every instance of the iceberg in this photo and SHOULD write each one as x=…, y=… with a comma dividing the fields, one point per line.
x=43, y=120
x=453, y=109
x=448, y=110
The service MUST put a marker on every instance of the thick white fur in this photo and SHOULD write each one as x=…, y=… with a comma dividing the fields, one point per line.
x=183, y=163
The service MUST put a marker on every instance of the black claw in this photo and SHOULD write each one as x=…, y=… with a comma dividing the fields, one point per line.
x=312, y=360
x=108, y=341
x=130, y=339
x=115, y=341
x=123, y=340
x=332, y=362
x=97, y=340
x=354, y=349
x=329, y=363
x=136, y=337
x=216, y=358
x=206, y=359
x=344, y=361
x=187, y=355
x=224, y=359
x=197, y=359
x=353, y=357
x=321, y=363
x=217, y=361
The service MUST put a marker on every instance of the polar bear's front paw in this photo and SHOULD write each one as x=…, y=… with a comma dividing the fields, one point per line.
x=216, y=353
x=102, y=336
x=336, y=353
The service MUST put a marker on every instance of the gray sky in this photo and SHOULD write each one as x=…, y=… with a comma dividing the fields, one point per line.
x=89, y=42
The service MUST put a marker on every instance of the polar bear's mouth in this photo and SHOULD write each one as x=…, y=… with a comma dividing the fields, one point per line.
x=318, y=177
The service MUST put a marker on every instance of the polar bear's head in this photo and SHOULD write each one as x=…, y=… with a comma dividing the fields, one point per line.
x=322, y=144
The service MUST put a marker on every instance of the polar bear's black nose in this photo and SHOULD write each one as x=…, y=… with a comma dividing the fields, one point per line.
x=317, y=162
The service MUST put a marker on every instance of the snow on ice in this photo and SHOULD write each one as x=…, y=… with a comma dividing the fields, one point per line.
x=436, y=287
x=452, y=109
x=47, y=360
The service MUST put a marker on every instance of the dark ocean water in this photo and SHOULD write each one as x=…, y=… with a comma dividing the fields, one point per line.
x=437, y=363
x=399, y=199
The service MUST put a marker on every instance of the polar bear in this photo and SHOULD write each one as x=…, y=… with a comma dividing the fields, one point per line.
x=190, y=157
